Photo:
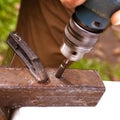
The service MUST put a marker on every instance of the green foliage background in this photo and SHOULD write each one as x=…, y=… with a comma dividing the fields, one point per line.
x=105, y=69
x=8, y=18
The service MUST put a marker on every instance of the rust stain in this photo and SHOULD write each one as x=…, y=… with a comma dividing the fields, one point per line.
x=75, y=88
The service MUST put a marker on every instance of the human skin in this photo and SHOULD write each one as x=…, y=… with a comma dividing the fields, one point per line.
x=72, y=3
x=115, y=18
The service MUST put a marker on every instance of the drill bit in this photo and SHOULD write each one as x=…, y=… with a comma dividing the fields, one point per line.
x=62, y=68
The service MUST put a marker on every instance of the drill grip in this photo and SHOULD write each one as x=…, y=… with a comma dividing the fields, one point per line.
x=104, y=8
x=94, y=15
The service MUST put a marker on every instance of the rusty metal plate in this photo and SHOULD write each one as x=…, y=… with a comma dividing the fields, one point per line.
x=76, y=88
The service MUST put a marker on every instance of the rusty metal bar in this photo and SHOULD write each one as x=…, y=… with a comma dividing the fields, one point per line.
x=77, y=88
x=4, y=113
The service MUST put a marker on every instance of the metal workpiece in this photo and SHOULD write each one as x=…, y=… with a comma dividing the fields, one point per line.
x=30, y=59
x=4, y=113
x=76, y=88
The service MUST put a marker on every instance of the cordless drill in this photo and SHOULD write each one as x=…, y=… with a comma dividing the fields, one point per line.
x=84, y=28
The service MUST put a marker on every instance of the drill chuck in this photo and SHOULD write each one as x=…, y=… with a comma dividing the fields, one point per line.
x=77, y=41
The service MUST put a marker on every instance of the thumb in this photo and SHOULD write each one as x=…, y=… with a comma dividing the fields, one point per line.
x=115, y=18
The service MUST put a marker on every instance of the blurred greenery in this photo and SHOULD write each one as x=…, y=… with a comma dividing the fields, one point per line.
x=105, y=69
x=8, y=19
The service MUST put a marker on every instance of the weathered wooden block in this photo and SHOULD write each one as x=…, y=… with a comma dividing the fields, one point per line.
x=77, y=88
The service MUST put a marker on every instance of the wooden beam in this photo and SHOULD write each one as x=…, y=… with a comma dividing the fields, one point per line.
x=77, y=88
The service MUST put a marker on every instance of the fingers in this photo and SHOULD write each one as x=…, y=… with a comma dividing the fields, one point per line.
x=72, y=3
x=115, y=19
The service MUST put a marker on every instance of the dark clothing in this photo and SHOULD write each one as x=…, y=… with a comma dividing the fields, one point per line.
x=41, y=24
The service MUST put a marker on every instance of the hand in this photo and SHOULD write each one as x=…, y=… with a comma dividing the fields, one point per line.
x=72, y=3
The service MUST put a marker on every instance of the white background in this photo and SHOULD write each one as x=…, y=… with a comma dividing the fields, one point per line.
x=108, y=108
